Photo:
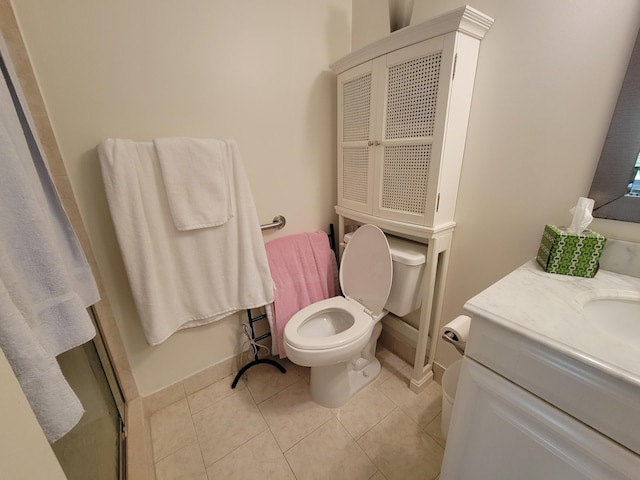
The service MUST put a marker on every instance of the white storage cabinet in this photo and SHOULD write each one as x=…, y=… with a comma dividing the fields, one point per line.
x=403, y=110
x=402, y=121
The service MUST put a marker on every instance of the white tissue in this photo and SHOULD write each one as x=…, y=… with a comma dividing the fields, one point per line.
x=457, y=331
x=582, y=216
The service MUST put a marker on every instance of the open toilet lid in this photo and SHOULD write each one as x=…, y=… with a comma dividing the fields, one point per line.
x=366, y=269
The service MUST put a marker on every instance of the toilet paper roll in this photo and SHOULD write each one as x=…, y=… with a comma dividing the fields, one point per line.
x=457, y=330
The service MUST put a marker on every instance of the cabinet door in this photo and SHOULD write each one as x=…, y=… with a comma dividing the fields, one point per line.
x=356, y=122
x=500, y=431
x=412, y=116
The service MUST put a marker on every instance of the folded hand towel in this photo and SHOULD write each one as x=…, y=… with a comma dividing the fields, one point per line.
x=303, y=269
x=196, y=180
x=182, y=279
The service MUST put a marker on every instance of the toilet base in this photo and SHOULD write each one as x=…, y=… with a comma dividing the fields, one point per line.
x=333, y=385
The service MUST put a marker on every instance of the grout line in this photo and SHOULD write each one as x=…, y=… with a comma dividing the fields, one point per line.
x=275, y=393
x=153, y=452
x=319, y=426
x=234, y=450
x=287, y=460
x=293, y=369
x=155, y=462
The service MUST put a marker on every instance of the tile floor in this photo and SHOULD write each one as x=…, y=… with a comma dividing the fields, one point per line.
x=268, y=428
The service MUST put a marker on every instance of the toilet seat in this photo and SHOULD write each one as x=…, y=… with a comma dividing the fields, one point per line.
x=366, y=270
x=365, y=277
x=297, y=337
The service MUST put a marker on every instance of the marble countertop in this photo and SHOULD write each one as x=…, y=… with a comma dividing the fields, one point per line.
x=548, y=308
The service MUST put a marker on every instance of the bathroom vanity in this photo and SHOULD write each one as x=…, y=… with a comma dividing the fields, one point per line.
x=550, y=382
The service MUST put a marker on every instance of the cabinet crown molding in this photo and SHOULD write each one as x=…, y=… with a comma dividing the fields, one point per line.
x=465, y=19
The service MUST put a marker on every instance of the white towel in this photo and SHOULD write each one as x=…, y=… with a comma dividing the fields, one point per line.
x=196, y=181
x=52, y=400
x=182, y=279
x=45, y=282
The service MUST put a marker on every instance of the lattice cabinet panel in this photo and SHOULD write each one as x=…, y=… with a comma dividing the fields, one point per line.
x=357, y=109
x=355, y=175
x=357, y=106
x=412, y=97
x=405, y=177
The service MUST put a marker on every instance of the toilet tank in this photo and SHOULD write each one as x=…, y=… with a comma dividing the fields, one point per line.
x=409, y=259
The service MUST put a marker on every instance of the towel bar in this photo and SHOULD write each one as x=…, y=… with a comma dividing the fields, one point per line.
x=278, y=222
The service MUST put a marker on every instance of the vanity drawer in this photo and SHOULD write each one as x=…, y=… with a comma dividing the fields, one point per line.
x=606, y=403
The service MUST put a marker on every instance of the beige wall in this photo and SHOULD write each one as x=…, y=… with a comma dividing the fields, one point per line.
x=547, y=80
x=246, y=69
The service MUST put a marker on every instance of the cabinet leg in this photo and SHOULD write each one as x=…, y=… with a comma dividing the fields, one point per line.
x=433, y=291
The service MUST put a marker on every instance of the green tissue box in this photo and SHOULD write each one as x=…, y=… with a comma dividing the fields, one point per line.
x=570, y=253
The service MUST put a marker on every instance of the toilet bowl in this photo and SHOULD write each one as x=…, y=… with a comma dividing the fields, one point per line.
x=336, y=337
x=326, y=332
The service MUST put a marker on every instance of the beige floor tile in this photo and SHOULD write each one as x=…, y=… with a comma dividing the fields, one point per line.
x=171, y=429
x=378, y=476
x=390, y=363
x=385, y=374
x=258, y=459
x=401, y=449
x=227, y=424
x=396, y=387
x=304, y=372
x=435, y=430
x=185, y=464
x=165, y=397
x=292, y=415
x=364, y=410
x=422, y=407
x=242, y=432
x=265, y=380
x=389, y=360
x=206, y=397
x=329, y=453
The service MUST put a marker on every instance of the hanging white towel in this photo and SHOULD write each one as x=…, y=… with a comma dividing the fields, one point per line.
x=182, y=279
x=196, y=181
x=54, y=403
x=45, y=282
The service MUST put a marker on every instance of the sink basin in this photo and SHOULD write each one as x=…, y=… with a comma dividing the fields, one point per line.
x=619, y=317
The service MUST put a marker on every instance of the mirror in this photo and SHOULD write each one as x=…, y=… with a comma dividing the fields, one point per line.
x=615, y=189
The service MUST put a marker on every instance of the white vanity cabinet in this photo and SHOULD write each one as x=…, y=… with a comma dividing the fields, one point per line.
x=543, y=393
x=503, y=432
x=403, y=110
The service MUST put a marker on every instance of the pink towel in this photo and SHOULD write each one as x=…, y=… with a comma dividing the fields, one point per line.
x=302, y=268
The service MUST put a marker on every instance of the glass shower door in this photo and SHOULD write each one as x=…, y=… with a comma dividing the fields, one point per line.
x=94, y=448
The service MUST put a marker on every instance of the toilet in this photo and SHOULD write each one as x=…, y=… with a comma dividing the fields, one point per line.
x=337, y=337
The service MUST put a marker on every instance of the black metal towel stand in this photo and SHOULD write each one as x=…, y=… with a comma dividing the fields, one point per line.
x=256, y=360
